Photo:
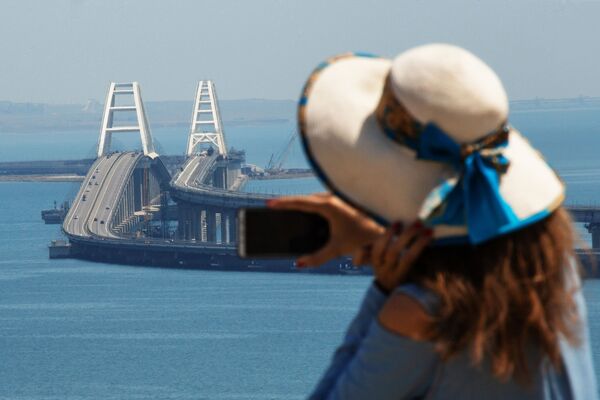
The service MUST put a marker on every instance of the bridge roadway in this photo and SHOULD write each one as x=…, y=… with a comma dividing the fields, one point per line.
x=89, y=221
x=91, y=213
x=195, y=170
x=106, y=202
x=188, y=185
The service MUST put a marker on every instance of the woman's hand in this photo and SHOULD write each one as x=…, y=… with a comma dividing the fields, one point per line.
x=349, y=229
x=394, y=253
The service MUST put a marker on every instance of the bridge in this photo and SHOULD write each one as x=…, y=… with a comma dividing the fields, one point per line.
x=207, y=187
x=129, y=209
x=125, y=193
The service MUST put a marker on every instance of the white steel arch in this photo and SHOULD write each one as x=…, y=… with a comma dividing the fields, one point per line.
x=131, y=91
x=206, y=120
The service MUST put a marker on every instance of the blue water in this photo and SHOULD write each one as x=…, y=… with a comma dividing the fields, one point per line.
x=77, y=330
x=285, y=187
x=260, y=141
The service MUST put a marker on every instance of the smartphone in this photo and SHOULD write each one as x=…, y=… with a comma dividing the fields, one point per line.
x=268, y=233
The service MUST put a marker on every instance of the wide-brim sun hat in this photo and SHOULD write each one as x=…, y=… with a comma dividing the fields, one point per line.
x=425, y=136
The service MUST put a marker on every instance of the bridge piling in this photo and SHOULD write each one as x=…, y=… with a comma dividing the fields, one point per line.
x=594, y=229
x=211, y=225
x=224, y=228
x=188, y=229
x=220, y=178
x=231, y=226
x=195, y=227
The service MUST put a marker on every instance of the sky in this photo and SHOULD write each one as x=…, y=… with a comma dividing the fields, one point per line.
x=67, y=51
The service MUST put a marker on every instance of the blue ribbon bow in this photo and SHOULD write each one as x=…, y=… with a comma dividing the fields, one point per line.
x=474, y=198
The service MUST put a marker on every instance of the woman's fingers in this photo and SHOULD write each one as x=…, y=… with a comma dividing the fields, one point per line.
x=397, y=247
x=392, y=256
x=381, y=244
x=349, y=229
x=413, y=252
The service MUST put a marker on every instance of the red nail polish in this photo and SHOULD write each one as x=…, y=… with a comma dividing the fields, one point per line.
x=418, y=224
x=300, y=264
x=428, y=232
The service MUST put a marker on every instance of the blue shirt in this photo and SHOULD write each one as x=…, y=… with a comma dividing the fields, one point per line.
x=374, y=363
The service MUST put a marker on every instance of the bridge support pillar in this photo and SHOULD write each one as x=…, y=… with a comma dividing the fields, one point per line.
x=232, y=223
x=594, y=229
x=197, y=225
x=220, y=178
x=188, y=224
x=224, y=228
x=211, y=225
x=203, y=225
x=180, y=222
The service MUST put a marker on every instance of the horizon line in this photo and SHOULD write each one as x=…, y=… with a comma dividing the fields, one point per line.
x=529, y=99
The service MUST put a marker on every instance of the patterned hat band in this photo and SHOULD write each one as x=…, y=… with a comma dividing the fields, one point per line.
x=400, y=126
x=457, y=200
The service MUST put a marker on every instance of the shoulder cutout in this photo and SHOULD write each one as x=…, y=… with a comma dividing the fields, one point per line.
x=404, y=316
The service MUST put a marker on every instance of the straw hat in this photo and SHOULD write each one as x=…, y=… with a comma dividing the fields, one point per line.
x=425, y=136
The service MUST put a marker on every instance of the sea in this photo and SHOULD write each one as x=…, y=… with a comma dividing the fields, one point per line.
x=76, y=330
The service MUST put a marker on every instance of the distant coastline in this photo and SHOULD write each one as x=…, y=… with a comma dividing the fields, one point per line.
x=548, y=105
x=41, y=178
x=35, y=117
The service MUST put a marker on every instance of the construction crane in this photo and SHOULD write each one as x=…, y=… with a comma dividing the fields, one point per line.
x=277, y=160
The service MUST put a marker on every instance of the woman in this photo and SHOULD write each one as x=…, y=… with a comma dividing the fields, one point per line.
x=480, y=297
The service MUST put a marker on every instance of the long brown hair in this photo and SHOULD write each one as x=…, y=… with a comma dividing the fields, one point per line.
x=502, y=296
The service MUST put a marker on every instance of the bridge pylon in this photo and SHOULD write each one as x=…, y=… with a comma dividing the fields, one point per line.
x=129, y=101
x=206, y=120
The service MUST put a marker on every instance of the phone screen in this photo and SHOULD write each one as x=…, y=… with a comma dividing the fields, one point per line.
x=268, y=233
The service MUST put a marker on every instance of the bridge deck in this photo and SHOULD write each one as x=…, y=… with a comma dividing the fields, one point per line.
x=188, y=185
x=94, y=205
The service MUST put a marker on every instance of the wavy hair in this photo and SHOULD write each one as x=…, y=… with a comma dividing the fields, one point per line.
x=504, y=295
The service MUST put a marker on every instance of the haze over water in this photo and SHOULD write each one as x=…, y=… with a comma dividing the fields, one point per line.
x=80, y=331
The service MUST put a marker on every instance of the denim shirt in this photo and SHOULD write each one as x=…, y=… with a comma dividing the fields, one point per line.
x=374, y=363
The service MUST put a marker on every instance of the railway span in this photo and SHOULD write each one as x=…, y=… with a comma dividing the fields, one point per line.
x=129, y=210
